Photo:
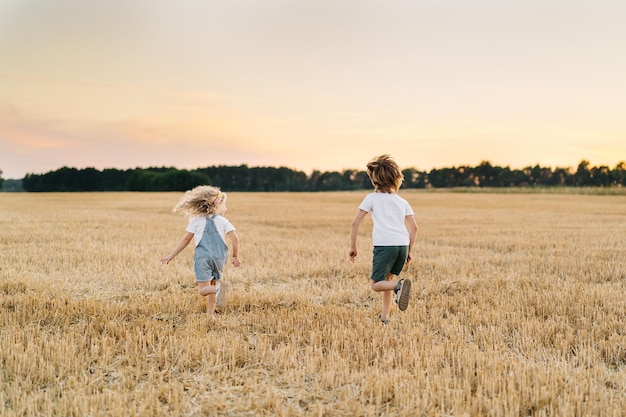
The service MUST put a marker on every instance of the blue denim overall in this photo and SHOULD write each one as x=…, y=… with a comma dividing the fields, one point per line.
x=211, y=253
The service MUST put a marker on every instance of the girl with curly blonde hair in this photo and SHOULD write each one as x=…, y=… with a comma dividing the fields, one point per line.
x=204, y=206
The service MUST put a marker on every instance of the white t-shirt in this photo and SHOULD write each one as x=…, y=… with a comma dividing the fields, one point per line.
x=388, y=212
x=196, y=226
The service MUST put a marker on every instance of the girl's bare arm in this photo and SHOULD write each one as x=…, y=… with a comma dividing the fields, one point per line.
x=234, y=240
x=181, y=245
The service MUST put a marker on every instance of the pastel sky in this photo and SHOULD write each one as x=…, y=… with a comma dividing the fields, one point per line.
x=310, y=84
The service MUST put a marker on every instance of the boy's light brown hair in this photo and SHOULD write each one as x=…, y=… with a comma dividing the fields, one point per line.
x=385, y=174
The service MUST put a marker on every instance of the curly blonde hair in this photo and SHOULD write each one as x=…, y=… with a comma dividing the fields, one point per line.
x=202, y=200
x=385, y=174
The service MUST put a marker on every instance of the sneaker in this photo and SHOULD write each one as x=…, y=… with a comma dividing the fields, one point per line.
x=384, y=321
x=220, y=294
x=403, y=293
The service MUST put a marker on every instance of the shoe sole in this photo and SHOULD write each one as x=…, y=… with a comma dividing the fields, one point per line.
x=220, y=300
x=405, y=294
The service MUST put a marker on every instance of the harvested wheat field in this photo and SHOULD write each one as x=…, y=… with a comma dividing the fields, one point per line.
x=518, y=309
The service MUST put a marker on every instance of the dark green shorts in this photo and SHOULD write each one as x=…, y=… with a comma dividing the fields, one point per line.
x=388, y=260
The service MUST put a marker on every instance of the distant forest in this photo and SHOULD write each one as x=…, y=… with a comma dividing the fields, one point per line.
x=245, y=178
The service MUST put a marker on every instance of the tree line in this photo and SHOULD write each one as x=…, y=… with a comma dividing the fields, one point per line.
x=245, y=178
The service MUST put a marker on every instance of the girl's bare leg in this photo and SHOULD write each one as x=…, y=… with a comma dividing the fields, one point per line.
x=210, y=304
x=207, y=289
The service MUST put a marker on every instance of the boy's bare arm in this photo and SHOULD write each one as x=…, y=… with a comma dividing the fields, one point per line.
x=354, y=230
x=412, y=227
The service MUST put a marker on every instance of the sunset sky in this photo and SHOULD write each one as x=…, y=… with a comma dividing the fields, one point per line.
x=307, y=84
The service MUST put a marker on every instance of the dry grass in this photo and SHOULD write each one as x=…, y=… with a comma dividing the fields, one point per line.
x=518, y=310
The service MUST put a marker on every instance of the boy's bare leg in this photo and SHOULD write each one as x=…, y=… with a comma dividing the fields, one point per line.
x=383, y=285
x=386, y=287
x=387, y=296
